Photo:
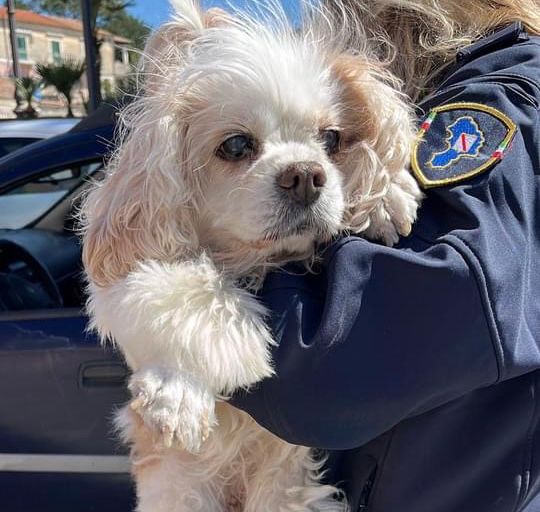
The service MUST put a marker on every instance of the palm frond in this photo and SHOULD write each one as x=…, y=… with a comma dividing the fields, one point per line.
x=63, y=76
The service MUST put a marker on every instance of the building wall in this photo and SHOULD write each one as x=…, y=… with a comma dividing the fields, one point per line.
x=38, y=43
x=114, y=60
x=39, y=50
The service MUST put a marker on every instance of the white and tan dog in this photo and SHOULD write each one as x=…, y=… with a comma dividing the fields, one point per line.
x=250, y=144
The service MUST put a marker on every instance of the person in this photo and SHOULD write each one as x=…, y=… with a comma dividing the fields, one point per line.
x=417, y=367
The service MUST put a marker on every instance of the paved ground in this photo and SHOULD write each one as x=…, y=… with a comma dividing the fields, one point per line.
x=45, y=109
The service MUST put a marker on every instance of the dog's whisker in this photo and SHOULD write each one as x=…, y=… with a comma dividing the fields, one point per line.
x=240, y=189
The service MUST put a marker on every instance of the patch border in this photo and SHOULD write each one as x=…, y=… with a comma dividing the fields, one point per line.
x=417, y=171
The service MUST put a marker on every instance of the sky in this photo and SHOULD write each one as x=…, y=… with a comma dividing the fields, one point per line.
x=155, y=12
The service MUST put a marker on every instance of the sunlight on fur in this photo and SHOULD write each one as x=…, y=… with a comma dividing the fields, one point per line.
x=250, y=144
x=420, y=38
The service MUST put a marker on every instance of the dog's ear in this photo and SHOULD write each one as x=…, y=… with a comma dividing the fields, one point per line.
x=144, y=207
x=377, y=137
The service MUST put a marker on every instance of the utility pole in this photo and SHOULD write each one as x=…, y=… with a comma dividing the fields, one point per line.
x=94, y=90
x=14, y=48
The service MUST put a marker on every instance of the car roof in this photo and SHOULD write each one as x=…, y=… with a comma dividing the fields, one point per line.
x=105, y=115
x=60, y=151
x=36, y=128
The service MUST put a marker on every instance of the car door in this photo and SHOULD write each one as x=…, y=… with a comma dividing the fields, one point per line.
x=59, y=387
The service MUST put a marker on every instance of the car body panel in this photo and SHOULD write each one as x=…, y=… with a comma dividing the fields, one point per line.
x=66, y=492
x=60, y=391
x=36, y=128
x=16, y=134
x=44, y=358
x=59, y=151
x=58, y=448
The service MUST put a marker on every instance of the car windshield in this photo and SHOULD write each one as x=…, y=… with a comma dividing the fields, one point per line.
x=25, y=204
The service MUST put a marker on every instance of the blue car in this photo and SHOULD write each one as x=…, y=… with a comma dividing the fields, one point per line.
x=58, y=386
x=15, y=133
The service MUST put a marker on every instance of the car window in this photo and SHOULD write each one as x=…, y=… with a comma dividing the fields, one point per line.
x=26, y=203
x=9, y=144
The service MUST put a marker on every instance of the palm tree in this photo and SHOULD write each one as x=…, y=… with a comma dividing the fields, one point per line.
x=27, y=87
x=63, y=76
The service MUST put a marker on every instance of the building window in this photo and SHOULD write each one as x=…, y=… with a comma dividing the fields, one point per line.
x=22, y=47
x=55, y=52
x=121, y=54
x=118, y=57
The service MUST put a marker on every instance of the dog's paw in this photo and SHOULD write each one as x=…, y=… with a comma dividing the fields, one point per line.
x=404, y=200
x=176, y=408
x=396, y=213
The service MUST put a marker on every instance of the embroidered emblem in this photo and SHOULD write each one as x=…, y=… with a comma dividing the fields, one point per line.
x=464, y=139
x=458, y=141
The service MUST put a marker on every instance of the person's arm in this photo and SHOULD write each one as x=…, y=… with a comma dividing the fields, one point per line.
x=383, y=334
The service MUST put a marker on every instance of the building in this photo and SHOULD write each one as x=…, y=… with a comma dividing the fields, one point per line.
x=48, y=39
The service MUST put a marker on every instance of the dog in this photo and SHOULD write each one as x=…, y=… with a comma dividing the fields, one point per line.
x=250, y=145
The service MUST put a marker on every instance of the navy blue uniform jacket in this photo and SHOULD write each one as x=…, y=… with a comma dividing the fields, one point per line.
x=418, y=366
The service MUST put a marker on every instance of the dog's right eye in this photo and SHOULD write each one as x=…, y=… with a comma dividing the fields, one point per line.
x=236, y=148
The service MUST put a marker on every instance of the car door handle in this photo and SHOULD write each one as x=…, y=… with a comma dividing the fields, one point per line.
x=103, y=374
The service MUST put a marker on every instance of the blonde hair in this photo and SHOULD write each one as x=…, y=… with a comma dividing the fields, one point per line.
x=420, y=38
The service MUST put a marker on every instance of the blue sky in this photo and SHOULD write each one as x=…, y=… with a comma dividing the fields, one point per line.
x=155, y=12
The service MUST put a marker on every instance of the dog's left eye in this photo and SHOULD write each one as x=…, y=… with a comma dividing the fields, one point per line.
x=236, y=148
x=330, y=140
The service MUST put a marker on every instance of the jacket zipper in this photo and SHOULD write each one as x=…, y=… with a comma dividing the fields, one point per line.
x=366, y=490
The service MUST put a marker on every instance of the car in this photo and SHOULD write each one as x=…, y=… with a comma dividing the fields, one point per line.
x=15, y=134
x=60, y=386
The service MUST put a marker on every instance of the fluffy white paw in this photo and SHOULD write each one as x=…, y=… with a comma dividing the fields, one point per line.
x=396, y=213
x=174, y=406
x=403, y=205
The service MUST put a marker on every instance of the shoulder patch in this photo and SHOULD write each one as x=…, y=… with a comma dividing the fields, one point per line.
x=458, y=141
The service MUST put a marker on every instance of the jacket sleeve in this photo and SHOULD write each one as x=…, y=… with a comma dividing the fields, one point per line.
x=382, y=334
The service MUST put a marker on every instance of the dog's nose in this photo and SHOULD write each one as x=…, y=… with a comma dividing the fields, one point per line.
x=303, y=181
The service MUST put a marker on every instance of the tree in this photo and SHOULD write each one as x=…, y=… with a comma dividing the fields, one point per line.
x=63, y=76
x=72, y=8
x=27, y=87
x=27, y=5
x=100, y=11
x=124, y=24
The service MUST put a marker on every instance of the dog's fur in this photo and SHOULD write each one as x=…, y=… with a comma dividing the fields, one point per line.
x=421, y=38
x=173, y=230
